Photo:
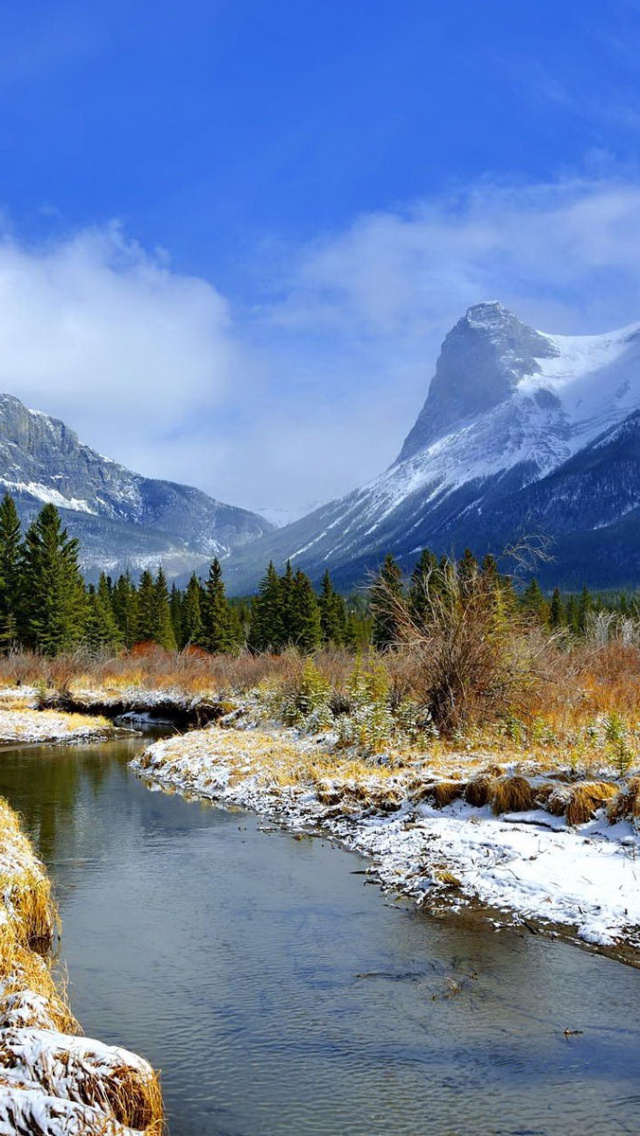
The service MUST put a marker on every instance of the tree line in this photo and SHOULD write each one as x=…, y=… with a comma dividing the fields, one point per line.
x=46, y=606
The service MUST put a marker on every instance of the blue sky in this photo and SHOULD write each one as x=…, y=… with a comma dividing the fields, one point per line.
x=250, y=224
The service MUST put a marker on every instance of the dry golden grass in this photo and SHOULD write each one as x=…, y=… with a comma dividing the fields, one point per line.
x=24, y=886
x=132, y=1098
x=586, y=798
x=129, y=1096
x=512, y=795
x=479, y=789
x=23, y=973
x=445, y=792
x=626, y=805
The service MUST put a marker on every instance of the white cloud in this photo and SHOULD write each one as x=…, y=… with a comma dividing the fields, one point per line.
x=308, y=395
x=105, y=336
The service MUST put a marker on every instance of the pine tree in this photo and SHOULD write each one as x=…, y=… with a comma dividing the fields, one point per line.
x=147, y=622
x=533, y=601
x=305, y=624
x=386, y=589
x=333, y=613
x=572, y=615
x=585, y=605
x=220, y=629
x=176, y=607
x=164, y=635
x=53, y=600
x=287, y=602
x=556, y=612
x=125, y=609
x=102, y=632
x=467, y=572
x=266, y=632
x=192, y=614
x=10, y=535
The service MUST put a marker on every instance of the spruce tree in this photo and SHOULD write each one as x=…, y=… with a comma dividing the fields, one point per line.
x=533, y=602
x=125, y=609
x=467, y=572
x=102, y=632
x=53, y=600
x=333, y=613
x=386, y=589
x=147, y=622
x=10, y=536
x=164, y=634
x=572, y=615
x=192, y=614
x=220, y=630
x=287, y=604
x=305, y=623
x=176, y=607
x=585, y=605
x=556, y=612
x=266, y=632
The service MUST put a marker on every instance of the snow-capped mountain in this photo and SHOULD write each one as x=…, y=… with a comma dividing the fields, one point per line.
x=513, y=428
x=122, y=519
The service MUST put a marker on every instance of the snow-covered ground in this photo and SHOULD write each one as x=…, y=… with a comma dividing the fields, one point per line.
x=25, y=726
x=528, y=865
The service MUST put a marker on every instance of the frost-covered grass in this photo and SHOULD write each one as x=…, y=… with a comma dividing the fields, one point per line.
x=52, y=1081
x=529, y=841
x=24, y=726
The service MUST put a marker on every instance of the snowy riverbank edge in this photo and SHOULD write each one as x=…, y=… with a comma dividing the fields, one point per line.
x=54, y=1082
x=21, y=723
x=529, y=866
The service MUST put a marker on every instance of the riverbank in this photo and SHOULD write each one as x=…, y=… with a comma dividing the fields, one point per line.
x=23, y=723
x=529, y=842
x=54, y=1082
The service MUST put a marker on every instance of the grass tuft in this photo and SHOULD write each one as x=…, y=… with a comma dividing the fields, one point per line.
x=586, y=798
x=512, y=795
x=626, y=805
x=479, y=790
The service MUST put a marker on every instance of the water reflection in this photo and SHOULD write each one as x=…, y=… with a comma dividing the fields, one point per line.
x=281, y=994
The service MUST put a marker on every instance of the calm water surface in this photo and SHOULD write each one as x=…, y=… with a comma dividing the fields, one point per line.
x=281, y=995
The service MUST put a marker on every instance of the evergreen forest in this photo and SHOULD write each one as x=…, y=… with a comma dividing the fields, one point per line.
x=46, y=606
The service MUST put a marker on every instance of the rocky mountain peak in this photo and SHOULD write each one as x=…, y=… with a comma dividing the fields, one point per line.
x=481, y=362
x=121, y=518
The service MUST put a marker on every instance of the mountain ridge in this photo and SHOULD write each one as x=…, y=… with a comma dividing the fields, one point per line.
x=121, y=518
x=508, y=407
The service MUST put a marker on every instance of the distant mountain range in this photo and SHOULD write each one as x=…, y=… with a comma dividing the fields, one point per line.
x=521, y=433
x=122, y=520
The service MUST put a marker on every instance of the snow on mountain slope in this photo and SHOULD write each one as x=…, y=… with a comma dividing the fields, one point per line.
x=507, y=406
x=558, y=400
x=121, y=519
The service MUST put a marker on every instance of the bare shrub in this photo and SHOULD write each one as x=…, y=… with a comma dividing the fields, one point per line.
x=466, y=651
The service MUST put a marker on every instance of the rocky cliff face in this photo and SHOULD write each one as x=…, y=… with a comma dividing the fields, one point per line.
x=122, y=519
x=521, y=432
x=481, y=362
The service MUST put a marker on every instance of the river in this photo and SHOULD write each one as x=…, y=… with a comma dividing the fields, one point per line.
x=281, y=994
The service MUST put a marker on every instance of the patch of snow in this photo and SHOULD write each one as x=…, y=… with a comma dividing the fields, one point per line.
x=50, y=496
